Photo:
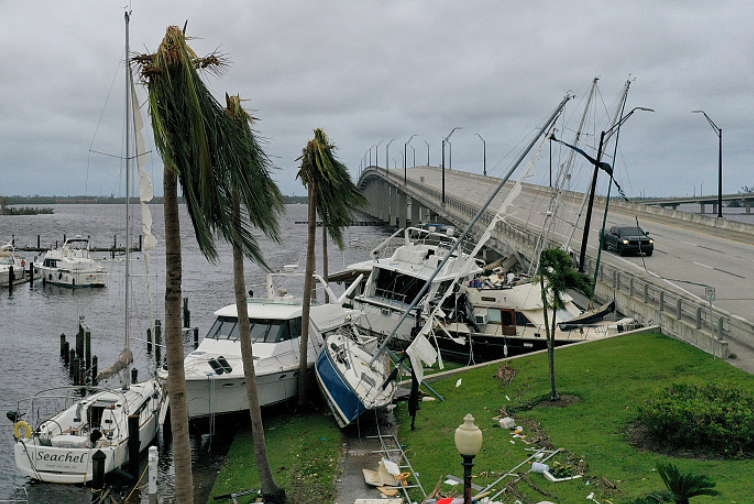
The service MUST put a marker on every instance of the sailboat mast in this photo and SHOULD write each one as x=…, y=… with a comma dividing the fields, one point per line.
x=128, y=196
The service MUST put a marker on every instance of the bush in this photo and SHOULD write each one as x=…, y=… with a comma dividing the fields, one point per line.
x=709, y=418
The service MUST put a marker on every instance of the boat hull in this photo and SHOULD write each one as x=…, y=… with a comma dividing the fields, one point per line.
x=73, y=277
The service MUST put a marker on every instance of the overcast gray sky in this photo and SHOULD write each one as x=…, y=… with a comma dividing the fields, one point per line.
x=370, y=71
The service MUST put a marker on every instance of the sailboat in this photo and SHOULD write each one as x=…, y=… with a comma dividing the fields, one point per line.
x=351, y=376
x=65, y=429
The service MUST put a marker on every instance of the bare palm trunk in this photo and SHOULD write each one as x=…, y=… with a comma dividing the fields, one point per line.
x=324, y=259
x=308, y=285
x=554, y=395
x=271, y=492
x=184, y=480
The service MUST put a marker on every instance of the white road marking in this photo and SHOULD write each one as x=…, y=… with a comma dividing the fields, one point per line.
x=704, y=265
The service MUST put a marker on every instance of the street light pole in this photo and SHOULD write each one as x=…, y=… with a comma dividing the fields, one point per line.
x=445, y=140
x=387, y=150
x=377, y=154
x=427, y=151
x=405, y=162
x=719, y=133
x=468, y=439
x=484, y=153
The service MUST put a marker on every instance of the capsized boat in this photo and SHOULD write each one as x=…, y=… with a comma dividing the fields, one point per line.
x=215, y=382
x=350, y=379
x=71, y=265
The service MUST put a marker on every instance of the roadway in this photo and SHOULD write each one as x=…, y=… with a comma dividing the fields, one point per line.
x=688, y=257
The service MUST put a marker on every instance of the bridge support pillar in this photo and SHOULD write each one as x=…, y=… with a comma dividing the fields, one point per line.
x=747, y=206
x=416, y=211
x=401, y=211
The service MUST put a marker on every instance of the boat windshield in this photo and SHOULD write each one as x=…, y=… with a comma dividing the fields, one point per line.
x=262, y=330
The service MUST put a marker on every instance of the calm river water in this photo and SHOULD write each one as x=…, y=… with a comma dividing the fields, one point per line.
x=33, y=317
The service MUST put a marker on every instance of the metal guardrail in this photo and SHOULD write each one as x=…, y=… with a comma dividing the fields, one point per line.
x=639, y=296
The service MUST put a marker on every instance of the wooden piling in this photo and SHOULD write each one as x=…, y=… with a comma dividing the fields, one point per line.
x=134, y=443
x=186, y=314
x=71, y=361
x=98, y=470
x=88, y=348
x=94, y=370
x=80, y=341
x=149, y=340
x=158, y=342
x=66, y=354
x=62, y=346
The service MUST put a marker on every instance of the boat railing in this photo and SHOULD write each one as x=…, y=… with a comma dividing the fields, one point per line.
x=390, y=295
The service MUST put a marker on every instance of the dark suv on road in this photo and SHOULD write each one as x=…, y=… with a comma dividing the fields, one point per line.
x=627, y=240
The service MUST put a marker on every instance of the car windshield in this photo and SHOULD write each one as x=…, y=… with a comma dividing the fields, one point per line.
x=631, y=231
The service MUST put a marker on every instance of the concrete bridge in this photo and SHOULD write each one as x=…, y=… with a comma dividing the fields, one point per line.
x=697, y=286
x=746, y=199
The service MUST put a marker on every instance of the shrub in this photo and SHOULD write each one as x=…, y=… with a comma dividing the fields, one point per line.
x=706, y=418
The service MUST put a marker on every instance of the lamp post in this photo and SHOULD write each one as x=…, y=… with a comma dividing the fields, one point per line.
x=427, y=151
x=719, y=133
x=484, y=153
x=387, y=155
x=377, y=154
x=468, y=440
x=405, y=162
x=445, y=140
x=604, y=136
x=412, y=148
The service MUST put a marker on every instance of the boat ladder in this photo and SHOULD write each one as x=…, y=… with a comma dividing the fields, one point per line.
x=392, y=450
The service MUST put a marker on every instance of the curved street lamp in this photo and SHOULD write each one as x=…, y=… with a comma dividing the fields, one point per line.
x=405, y=170
x=484, y=153
x=377, y=154
x=468, y=438
x=719, y=133
x=387, y=154
x=427, y=151
x=445, y=140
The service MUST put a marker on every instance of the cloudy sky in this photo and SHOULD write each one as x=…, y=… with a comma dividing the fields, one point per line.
x=368, y=71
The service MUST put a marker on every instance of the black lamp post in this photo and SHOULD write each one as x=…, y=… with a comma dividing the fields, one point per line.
x=719, y=133
x=444, y=141
x=468, y=440
x=405, y=162
x=484, y=153
x=605, y=135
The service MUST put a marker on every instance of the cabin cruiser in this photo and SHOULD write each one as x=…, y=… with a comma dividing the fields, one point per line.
x=71, y=265
x=215, y=382
x=396, y=277
x=7, y=261
x=499, y=315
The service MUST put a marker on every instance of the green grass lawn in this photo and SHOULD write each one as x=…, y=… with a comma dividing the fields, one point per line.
x=605, y=381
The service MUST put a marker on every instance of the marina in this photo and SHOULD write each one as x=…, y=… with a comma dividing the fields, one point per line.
x=34, y=316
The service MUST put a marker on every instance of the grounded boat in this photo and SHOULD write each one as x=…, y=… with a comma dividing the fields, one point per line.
x=71, y=265
x=215, y=382
x=495, y=317
x=71, y=425
x=394, y=281
x=350, y=378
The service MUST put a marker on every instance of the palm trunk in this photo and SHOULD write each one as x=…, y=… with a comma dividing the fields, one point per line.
x=324, y=259
x=271, y=492
x=184, y=481
x=554, y=396
x=308, y=285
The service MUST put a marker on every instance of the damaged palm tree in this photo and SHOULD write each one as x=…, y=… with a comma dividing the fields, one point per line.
x=557, y=274
x=201, y=148
x=333, y=195
x=264, y=215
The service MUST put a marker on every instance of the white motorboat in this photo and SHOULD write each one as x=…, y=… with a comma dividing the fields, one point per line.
x=215, y=382
x=350, y=378
x=63, y=430
x=71, y=265
x=395, y=280
x=8, y=262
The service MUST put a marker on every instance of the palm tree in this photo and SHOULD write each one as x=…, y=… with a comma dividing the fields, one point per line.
x=202, y=149
x=685, y=486
x=331, y=192
x=256, y=165
x=557, y=274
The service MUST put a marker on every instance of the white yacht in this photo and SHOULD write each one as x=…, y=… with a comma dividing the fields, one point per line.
x=9, y=260
x=394, y=281
x=215, y=382
x=71, y=265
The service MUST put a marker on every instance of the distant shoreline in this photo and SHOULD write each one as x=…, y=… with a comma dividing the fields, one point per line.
x=94, y=200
